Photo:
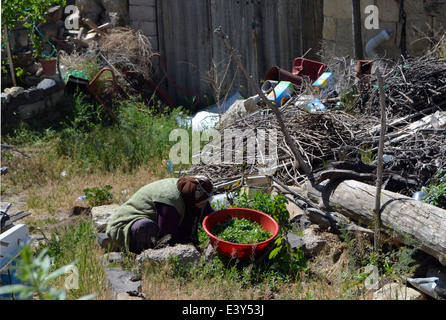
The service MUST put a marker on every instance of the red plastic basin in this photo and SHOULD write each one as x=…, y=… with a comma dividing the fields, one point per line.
x=236, y=249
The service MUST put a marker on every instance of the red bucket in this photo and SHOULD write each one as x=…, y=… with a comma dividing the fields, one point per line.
x=236, y=249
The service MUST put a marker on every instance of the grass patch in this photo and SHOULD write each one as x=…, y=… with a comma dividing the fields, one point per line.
x=50, y=168
x=77, y=245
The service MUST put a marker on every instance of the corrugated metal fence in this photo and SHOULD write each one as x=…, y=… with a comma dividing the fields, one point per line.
x=264, y=32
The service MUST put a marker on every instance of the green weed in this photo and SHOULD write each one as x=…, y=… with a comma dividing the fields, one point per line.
x=436, y=192
x=78, y=243
x=98, y=196
x=244, y=231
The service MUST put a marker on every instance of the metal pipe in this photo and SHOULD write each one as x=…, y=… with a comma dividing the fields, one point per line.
x=377, y=41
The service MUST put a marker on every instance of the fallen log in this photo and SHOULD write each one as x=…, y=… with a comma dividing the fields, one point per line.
x=333, y=221
x=401, y=216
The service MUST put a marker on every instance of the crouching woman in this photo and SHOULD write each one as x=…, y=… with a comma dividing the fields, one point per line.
x=170, y=208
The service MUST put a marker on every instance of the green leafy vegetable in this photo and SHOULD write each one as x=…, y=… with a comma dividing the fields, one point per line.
x=242, y=231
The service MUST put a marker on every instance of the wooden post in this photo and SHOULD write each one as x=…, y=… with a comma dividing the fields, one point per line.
x=8, y=50
x=275, y=109
x=357, y=33
x=379, y=178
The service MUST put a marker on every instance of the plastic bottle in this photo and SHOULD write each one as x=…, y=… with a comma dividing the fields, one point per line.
x=81, y=199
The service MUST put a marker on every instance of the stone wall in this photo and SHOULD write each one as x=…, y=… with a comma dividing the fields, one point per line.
x=424, y=18
x=40, y=104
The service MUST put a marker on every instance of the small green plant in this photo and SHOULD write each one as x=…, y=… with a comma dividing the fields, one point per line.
x=367, y=155
x=241, y=231
x=21, y=73
x=274, y=205
x=436, y=192
x=98, y=196
x=77, y=242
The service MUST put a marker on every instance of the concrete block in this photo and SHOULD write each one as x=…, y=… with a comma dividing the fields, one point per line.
x=344, y=31
x=388, y=10
x=112, y=257
x=54, y=99
x=146, y=3
x=397, y=291
x=128, y=296
x=50, y=86
x=34, y=94
x=185, y=253
x=14, y=91
x=105, y=243
x=149, y=29
x=142, y=13
x=330, y=28
x=101, y=215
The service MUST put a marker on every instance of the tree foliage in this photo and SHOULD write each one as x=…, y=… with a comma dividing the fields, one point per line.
x=31, y=13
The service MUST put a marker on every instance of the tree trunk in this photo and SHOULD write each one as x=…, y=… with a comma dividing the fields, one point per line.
x=401, y=216
x=8, y=50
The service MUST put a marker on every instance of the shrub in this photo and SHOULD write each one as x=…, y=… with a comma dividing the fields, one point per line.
x=436, y=192
x=141, y=137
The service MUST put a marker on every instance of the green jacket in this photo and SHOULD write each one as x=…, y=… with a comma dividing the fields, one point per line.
x=142, y=205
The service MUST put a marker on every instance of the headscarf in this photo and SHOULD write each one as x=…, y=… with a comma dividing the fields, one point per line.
x=194, y=190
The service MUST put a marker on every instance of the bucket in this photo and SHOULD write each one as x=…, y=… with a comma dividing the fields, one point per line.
x=49, y=66
x=235, y=249
x=364, y=67
x=278, y=74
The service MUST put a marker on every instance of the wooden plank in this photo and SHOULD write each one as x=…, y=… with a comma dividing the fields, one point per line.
x=266, y=33
x=15, y=236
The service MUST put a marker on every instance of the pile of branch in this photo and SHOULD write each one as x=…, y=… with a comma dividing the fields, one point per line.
x=416, y=100
x=321, y=137
x=333, y=142
x=414, y=87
